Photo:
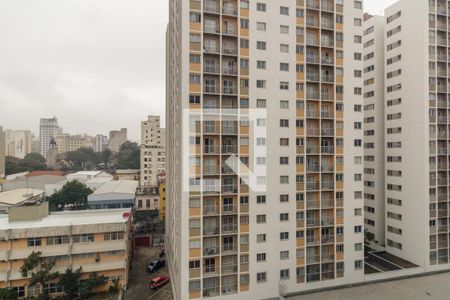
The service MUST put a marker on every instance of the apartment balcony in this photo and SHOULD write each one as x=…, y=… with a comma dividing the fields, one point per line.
x=229, y=9
x=312, y=42
x=327, y=5
x=211, y=250
x=327, y=222
x=229, y=189
x=339, y=202
x=230, y=90
x=211, y=7
x=327, y=61
x=327, y=42
x=327, y=131
x=210, y=149
x=315, y=167
x=442, y=228
x=312, y=222
x=312, y=114
x=230, y=71
x=214, y=29
x=211, y=49
x=211, y=291
x=312, y=95
x=210, y=270
x=229, y=248
x=442, y=57
x=312, y=204
x=229, y=30
x=229, y=149
x=442, y=104
x=443, y=181
x=312, y=22
x=328, y=78
x=326, y=114
x=229, y=289
x=442, y=42
x=212, y=69
x=327, y=24
x=229, y=268
x=442, y=213
x=313, y=150
x=313, y=131
x=312, y=241
x=209, y=210
x=327, y=168
x=230, y=130
x=327, y=258
x=442, y=151
x=210, y=170
x=210, y=230
x=314, y=4
x=327, y=203
x=229, y=209
x=312, y=186
x=211, y=89
x=327, y=185
x=312, y=77
x=327, y=149
x=442, y=166
x=312, y=59
x=312, y=259
x=230, y=50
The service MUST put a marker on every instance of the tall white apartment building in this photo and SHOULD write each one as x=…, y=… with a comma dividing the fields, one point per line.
x=276, y=86
x=153, y=151
x=48, y=130
x=374, y=172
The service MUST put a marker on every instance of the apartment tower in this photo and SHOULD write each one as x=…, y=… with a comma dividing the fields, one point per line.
x=48, y=130
x=264, y=147
x=374, y=172
x=153, y=151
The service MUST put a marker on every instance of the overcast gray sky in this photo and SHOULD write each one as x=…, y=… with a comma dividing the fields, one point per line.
x=95, y=64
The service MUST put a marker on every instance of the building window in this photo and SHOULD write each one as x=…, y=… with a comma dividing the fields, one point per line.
x=284, y=274
x=261, y=277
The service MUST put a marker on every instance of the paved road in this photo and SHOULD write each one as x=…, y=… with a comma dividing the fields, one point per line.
x=138, y=285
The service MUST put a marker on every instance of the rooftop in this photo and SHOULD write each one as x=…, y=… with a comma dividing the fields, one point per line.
x=431, y=286
x=87, y=174
x=17, y=196
x=48, y=173
x=118, y=187
x=66, y=218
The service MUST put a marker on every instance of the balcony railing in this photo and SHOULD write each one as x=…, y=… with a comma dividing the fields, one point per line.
x=230, y=51
x=229, y=268
x=229, y=247
x=211, y=29
x=229, y=129
x=312, y=259
x=327, y=61
x=211, y=69
x=211, y=89
x=229, y=148
x=311, y=186
x=230, y=71
x=211, y=230
x=210, y=149
x=211, y=49
x=327, y=131
x=312, y=204
x=230, y=90
x=210, y=6
x=210, y=209
x=211, y=250
x=312, y=222
x=312, y=4
x=313, y=167
x=312, y=240
x=329, y=185
x=312, y=22
x=327, y=221
x=314, y=59
x=229, y=9
x=312, y=131
x=312, y=76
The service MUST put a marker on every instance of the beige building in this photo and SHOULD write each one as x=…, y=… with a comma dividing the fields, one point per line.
x=264, y=147
x=97, y=241
x=116, y=139
x=101, y=143
x=2, y=153
x=18, y=143
x=153, y=151
x=67, y=142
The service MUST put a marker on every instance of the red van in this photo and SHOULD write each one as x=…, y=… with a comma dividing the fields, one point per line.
x=157, y=282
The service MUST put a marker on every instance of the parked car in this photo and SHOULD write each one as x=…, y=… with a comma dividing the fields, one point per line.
x=157, y=282
x=155, y=265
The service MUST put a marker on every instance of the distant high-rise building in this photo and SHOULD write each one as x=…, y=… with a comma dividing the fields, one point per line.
x=153, y=153
x=2, y=153
x=100, y=143
x=35, y=144
x=48, y=130
x=18, y=143
x=264, y=147
x=116, y=139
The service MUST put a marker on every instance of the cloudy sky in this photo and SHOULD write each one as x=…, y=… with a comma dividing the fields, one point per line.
x=95, y=64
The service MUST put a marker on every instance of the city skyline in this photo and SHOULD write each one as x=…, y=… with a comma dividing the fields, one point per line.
x=99, y=66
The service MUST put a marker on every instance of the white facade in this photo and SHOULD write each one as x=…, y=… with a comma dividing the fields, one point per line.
x=285, y=61
x=101, y=143
x=18, y=143
x=374, y=172
x=48, y=130
x=153, y=151
x=67, y=142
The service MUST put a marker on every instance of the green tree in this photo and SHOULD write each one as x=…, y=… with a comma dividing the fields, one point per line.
x=73, y=194
x=81, y=159
x=88, y=285
x=39, y=270
x=70, y=282
x=31, y=162
x=128, y=156
x=8, y=294
x=106, y=156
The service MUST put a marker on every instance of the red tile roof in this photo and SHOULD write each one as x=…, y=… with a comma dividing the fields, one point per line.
x=43, y=173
